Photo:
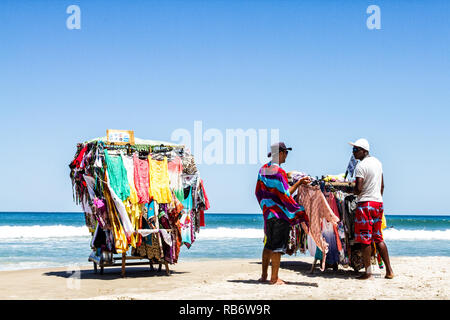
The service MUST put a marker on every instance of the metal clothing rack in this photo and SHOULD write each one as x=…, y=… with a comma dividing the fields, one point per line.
x=340, y=184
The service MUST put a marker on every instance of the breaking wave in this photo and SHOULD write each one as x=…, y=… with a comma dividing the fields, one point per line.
x=56, y=231
x=64, y=231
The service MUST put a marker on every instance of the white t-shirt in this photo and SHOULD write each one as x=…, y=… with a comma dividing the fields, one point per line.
x=371, y=170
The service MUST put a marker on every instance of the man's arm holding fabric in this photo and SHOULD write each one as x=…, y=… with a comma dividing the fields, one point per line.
x=304, y=180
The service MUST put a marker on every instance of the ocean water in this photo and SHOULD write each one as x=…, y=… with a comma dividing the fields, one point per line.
x=36, y=240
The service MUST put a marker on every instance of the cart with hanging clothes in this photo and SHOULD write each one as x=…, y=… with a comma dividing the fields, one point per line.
x=142, y=200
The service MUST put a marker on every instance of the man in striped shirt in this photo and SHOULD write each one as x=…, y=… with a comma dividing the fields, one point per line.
x=279, y=209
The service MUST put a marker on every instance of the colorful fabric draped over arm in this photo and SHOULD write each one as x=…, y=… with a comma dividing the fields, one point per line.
x=275, y=200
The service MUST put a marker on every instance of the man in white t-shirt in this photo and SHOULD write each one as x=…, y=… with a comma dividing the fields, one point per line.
x=369, y=212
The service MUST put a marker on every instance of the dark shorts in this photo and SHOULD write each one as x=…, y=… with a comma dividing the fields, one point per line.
x=277, y=235
x=368, y=220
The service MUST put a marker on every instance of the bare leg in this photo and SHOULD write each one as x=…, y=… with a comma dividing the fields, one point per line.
x=382, y=249
x=266, y=256
x=276, y=258
x=313, y=266
x=322, y=262
x=366, y=253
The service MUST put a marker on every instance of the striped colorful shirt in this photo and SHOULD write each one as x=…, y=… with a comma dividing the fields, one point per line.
x=275, y=200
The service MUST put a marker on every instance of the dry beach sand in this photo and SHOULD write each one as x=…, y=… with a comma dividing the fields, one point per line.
x=416, y=278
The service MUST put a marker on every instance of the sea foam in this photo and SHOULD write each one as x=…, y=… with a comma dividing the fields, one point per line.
x=404, y=234
x=230, y=233
x=55, y=231
x=63, y=231
x=389, y=234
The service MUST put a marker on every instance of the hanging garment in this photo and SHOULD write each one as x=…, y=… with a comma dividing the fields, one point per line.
x=98, y=239
x=351, y=167
x=294, y=239
x=202, y=218
x=294, y=176
x=332, y=202
x=329, y=235
x=98, y=160
x=317, y=207
x=191, y=185
x=188, y=163
x=120, y=241
x=175, y=207
x=150, y=249
x=88, y=203
x=98, y=204
x=88, y=214
x=190, y=180
x=141, y=179
x=185, y=221
x=128, y=163
x=339, y=197
x=350, y=205
x=311, y=245
x=152, y=209
x=132, y=203
x=133, y=212
x=118, y=179
x=197, y=200
x=174, y=211
x=204, y=205
x=77, y=161
x=101, y=214
x=194, y=225
x=159, y=180
x=86, y=159
x=166, y=236
x=343, y=254
x=90, y=182
x=175, y=168
x=122, y=212
x=205, y=197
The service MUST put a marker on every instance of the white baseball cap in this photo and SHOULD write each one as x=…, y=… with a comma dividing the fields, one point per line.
x=361, y=143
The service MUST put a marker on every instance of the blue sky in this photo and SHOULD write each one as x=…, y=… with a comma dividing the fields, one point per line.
x=311, y=69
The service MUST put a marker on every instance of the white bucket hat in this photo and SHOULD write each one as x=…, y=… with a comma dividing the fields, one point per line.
x=361, y=143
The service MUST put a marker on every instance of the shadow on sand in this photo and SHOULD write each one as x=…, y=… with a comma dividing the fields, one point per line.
x=295, y=283
x=112, y=273
x=304, y=268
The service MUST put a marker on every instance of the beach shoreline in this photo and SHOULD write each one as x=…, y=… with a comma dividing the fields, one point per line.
x=416, y=278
